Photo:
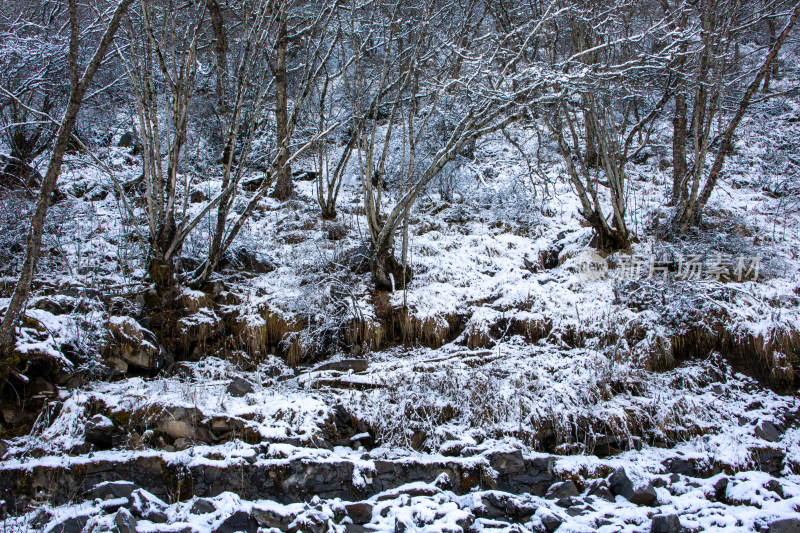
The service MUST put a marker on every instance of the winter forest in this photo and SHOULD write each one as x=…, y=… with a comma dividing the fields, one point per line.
x=358, y=266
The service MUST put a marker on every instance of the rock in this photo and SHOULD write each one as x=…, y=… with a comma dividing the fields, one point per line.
x=113, y=489
x=360, y=512
x=767, y=431
x=202, y=506
x=345, y=365
x=775, y=486
x=666, y=523
x=125, y=521
x=239, y=387
x=133, y=344
x=3, y=448
x=550, y=520
x=71, y=525
x=620, y=484
x=578, y=510
x=603, y=493
x=336, y=232
x=721, y=489
x=644, y=496
x=98, y=431
x=267, y=518
x=148, y=506
x=238, y=522
x=505, y=463
x=177, y=429
x=128, y=140
x=785, y=525
x=564, y=489
x=500, y=506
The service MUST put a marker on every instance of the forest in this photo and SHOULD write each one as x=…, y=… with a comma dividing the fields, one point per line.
x=359, y=266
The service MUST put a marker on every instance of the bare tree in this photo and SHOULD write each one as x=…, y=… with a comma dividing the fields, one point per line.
x=244, y=109
x=693, y=201
x=79, y=85
x=429, y=100
x=35, y=77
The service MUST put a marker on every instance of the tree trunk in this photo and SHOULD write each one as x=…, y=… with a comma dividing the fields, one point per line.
x=772, y=38
x=679, y=166
x=387, y=272
x=283, y=185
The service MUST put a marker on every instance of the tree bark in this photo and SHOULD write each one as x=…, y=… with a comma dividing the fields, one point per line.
x=283, y=185
x=679, y=166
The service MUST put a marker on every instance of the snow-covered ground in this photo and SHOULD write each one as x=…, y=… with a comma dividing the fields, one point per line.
x=507, y=348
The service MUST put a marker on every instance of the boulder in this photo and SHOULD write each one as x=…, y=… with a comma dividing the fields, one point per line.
x=550, y=520
x=203, y=506
x=621, y=485
x=148, y=506
x=125, y=521
x=133, y=344
x=359, y=512
x=238, y=522
x=113, y=489
x=70, y=525
x=565, y=489
x=98, y=431
x=666, y=523
x=239, y=388
x=644, y=496
x=784, y=525
x=767, y=431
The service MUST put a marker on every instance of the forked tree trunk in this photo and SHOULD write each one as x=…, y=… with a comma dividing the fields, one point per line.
x=387, y=272
x=689, y=210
